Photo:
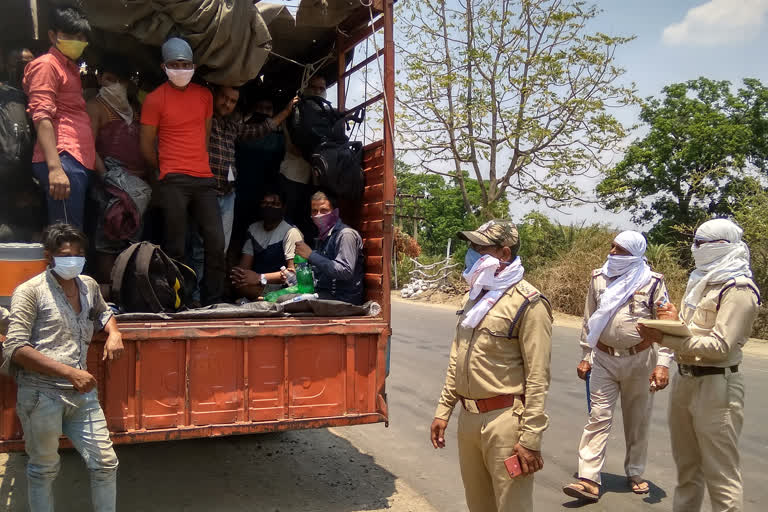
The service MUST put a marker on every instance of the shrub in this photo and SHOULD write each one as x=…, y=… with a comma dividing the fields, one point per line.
x=566, y=280
x=406, y=245
x=663, y=258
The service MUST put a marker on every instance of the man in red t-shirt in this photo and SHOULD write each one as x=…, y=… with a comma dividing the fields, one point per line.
x=176, y=119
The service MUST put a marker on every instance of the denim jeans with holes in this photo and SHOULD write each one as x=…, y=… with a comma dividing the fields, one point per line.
x=45, y=415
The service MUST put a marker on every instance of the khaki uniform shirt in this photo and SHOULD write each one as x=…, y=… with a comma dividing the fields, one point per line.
x=621, y=331
x=718, y=335
x=486, y=362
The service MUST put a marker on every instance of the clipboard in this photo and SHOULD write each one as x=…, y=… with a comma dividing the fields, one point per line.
x=670, y=327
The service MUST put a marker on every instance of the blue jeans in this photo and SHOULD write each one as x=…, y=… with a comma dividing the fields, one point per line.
x=68, y=210
x=45, y=415
x=196, y=249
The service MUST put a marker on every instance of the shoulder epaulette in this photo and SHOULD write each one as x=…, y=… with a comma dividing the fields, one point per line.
x=739, y=282
x=657, y=275
x=528, y=291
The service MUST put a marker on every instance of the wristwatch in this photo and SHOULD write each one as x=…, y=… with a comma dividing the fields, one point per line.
x=263, y=280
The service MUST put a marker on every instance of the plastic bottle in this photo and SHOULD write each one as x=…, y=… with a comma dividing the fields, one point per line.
x=304, y=276
x=302, y=298
x=290, y=276
x=272, y=296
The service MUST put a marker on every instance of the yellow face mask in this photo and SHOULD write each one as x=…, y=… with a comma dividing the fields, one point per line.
x=72, y=48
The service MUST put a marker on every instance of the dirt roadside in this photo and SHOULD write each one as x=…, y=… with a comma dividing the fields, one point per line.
x=312, y=470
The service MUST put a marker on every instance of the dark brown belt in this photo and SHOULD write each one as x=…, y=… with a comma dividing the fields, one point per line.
x=636, y=349
x=490, y=404
x=691, y=370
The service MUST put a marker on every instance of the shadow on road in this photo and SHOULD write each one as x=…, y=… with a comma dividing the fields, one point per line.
x=617, y=484
x=312, y=470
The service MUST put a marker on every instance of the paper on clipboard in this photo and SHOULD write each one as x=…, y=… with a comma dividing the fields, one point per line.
x=671, y=327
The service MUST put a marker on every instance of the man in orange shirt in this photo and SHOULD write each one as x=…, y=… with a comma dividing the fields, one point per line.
x=64, y=154
x=175, y=129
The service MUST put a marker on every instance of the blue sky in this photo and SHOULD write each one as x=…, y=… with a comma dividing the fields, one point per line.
x=727, y=44
x=679, y=40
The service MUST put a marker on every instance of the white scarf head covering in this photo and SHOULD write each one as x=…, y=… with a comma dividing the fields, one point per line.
x=632, y=271
x=482, y=276
x=116, y=96
x=717, y=262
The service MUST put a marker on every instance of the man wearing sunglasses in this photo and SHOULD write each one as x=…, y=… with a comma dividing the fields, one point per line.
x=706, y=406
x=498, y=372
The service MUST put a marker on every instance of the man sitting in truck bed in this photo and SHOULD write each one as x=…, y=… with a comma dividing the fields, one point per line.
x=271, y=244
x=337, y=260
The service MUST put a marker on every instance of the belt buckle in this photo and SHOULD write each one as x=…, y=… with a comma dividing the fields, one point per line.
x=685, y=370
x=470, y=405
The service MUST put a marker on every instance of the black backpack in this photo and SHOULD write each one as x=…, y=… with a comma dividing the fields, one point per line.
x=17, y=138
x=313, y=121
x=339, y=169
x=146, y=280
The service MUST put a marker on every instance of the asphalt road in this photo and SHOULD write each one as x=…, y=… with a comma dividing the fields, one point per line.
x=420, y=345
x=373, y=468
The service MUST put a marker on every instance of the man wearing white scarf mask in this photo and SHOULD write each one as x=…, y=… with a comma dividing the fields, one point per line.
x=620, y=362
x=706, y=405
x=498, y=372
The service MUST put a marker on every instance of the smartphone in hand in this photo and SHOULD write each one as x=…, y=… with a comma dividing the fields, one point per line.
x=513, y=466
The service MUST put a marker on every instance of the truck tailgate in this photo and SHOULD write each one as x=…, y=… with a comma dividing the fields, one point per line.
x=203, y=378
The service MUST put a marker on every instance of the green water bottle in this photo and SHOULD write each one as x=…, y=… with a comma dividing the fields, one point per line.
x=272, y=296
x=304, y=277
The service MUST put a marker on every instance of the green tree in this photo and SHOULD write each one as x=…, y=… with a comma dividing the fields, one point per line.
x=442, y=207
x=518, y=92
x=694, y=161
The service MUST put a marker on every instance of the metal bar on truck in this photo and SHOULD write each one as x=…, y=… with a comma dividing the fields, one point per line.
x=361, y=34
x=363, y=63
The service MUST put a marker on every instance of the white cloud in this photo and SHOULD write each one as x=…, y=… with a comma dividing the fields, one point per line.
x=718, y=22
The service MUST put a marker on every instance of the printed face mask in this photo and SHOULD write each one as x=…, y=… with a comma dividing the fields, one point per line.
x=180, y=77
x=116, y=95
x=72, y=48
x=68, y=267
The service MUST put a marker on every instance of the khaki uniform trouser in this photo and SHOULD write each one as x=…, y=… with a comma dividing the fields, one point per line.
x=485, y=440
x=613, y=377
x=705, y=419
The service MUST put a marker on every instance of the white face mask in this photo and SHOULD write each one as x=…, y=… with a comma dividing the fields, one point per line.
x=68, y=267
x=619, y=265
x=180, y=77
x=711, y=252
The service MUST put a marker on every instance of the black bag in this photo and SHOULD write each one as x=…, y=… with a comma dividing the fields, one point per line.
x=146, y=280
x=16, y=134
x=339, y=169
x=313, y=121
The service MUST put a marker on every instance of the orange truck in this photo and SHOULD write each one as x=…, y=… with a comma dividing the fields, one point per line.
x=207, y=378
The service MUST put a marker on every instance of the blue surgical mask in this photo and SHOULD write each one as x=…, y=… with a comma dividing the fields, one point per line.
x=68, y=267
x=471, y=258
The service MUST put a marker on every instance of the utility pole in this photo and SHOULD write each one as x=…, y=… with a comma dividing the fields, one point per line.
x=407, y=207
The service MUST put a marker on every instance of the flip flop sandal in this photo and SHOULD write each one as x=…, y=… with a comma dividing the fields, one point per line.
x=636, y=486
x=580, y=492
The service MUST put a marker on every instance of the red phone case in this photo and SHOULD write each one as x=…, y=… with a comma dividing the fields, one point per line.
x=513, y=466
